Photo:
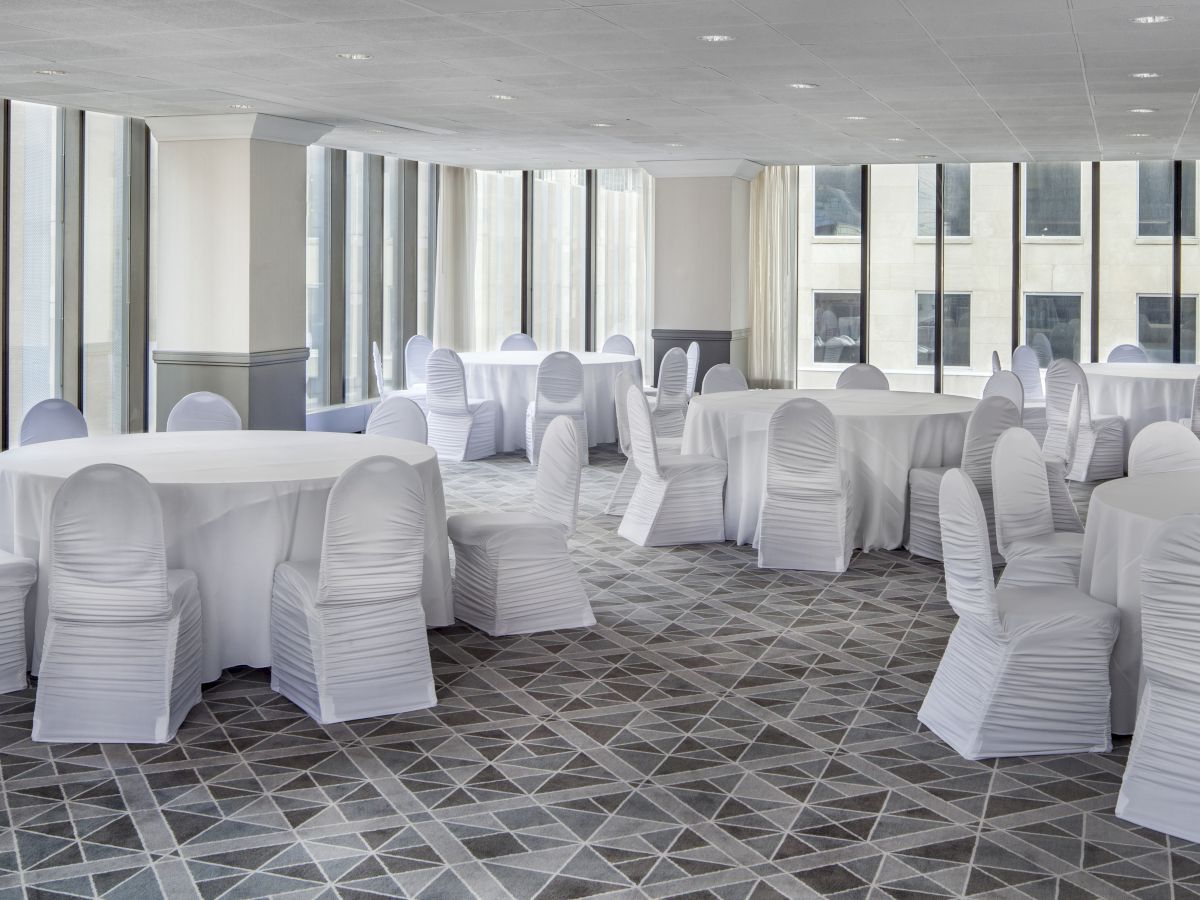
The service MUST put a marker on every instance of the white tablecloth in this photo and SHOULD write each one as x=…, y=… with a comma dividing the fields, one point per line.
x=1121, y=517
x=235, y=505
x=511, y=377
x=883, y=435
x=1141, y=393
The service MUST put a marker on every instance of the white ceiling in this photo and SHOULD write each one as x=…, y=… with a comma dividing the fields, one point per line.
x=978, y=80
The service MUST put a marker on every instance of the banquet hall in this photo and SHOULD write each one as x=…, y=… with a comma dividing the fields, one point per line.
x=504, y=449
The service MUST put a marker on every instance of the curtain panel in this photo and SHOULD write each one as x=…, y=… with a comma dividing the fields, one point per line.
x=774, y=220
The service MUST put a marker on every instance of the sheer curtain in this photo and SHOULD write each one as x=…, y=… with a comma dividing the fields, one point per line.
x=455, y=283
x=774, y=211
x=624, y=302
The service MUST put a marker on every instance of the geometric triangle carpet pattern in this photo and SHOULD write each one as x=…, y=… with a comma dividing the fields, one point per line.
x=722, y=732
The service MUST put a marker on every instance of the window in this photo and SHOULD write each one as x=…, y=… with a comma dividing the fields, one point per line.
x=358, y=268
x=624, y=256
x=497, y=283
x=1154, y=327
x=837, y=206
x=837, y=318
x=1156, y=198
x=391, y=268
x=956, y=329
x=1052, y=199
x=426, y=245
x=956, y=192
x=1052, y=326
x=316, y=272
x=559, y=241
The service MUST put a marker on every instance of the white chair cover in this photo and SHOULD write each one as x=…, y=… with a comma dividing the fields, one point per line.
x=1160, y=789
x=459, y=428
x=1007, y=385
x=416, y=355
x=204, y=411
x=671, y=403
x=1127, y=353
x=399, y=417
x=1066, y=517
x=1025, y=671
x=518, y=341
x=513, y=572
x=693, y=367
x=996, y=367
x=990, y=419
x=348, y=631
x=377, y=368
x=558, y=392
x=1194, y=421
x=1040, y=344
x=619, y=343
x=1100, y=450
x=1164, y=447
x=52, y=420
x=120, y=658
x=677, y=499
x=619, y=500
x=17, y=576
x=1025, y=366
x=722, y=378
x=863, y=376
x=807, y=515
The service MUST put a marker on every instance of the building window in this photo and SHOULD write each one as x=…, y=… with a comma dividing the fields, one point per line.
x=559, y=241
x=837, y=318
x=837, y=201
x=316, y=273
x=1052, y=199
x=956, y=329
x=1052, y=326
x=358, y=273
x=624, y=256
x=1154, y=327
x=956, y=191
x=1156, y=198
x=496, y=312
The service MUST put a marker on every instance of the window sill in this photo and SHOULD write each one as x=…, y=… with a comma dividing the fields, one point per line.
x=837, y=239
x=1161, y=241
x=1050, y=239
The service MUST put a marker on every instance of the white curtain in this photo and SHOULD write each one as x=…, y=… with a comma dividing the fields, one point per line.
x=624, y=301
x=455, y=283
x=774, y=219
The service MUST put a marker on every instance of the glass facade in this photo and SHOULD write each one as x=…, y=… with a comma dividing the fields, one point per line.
x=317, y=274
x=496, y=311
x=559, y=241
x=624, y=256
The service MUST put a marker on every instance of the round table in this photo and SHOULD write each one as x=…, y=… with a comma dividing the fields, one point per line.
x=235, y=505
x=510, y=378
x=883, y=434
x=1122, y=515
x=1141, y=393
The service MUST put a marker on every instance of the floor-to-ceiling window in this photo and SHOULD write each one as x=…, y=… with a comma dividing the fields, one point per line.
x=624, y=256
x=496, y=310
x=558, y=282
x=358, y=269
x=316, y=273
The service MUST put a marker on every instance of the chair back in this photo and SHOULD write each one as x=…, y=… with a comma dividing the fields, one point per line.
x=373, y=548
x=672, y=380
x=1072, y=441
x=1127, y=353
x=108, y=561
x=967, y=551
x=416, y=355
x=1043, y=349
x=1170, y=615
x=991, y=418
x=803, y=451
x=556, y=487
x=996, y=367
x=723, y=378
x=377, y=368
x=204, y=411
x=399, y=417
x=559, y=390
x=1062, y=377
x=693, y=367
x=445, y=383
x=619, y=343
x=621, y=385
x=641, y=433
x=1163, y=447
x=52, y=420
x=863, y=377
x=1006, y=385
x=518, y=341
x=1025, y=365
x=1020, y=491
x=1196, y=407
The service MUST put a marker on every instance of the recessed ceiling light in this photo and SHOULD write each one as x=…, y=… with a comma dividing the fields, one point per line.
x=804, y=86
x=378, y=130
x=716, y=38
x=1143, y=109
x=502, y=97
x=674, y=145
x=240, y=106
x=926, y=156
x=1152, y=20
x=602, y=124
x=1138, y=134
x=1143, y=75
x=357, y=57
x=896, y=140
x=49, y=72
x=855, y=118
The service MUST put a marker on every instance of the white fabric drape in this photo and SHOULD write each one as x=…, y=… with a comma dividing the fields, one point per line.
x=453, y=323
x=774, y=219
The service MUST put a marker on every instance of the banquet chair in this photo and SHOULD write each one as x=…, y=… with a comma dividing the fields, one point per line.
x=513, y=572
x=1006, y=385
x=416, y=356
x=996, y=367
x=1100, y=451
x=807, y=516
x=1159, y=789
x=518, y=341
x=558, y=392
x=991, y=418
x=1127, y=353
x=670, y=401
x=52, y=420
x=1193, y=421
x=1033, y=413
x=619, y=343
x=120, y=660
x=399, y=417
x=723, y=378
x=1040, y=344
x=17, y=575
x=863, y=376
x=693, y=367
x=377, y=369
x=628, y=479
x=348, y=629
x=1066, y=517
x=1025, y=671
x=459, y=428
x=203, y=411
x=1163, y=447
x=677, y=499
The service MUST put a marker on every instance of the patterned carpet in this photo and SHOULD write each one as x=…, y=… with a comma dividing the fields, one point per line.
x=723, y=732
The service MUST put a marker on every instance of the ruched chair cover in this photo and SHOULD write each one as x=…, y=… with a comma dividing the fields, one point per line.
x=996, y=367
x=377, y=369
x=348, y=634
x=807, y=515
x=416, y=355
x=399, y=417
x=120, y=659
x=459, y=428
x=619, y=343
x=677, y=499
x=863, y=376
x=204, y=411
x=693, y=367
x=513, y=571
x=1160, y=789
x=1033, y=413
x=1193, y=422
x=1025, y=671
x=1100, y=450
x=52, y=420
x=518, y=341
x=1127, y=353
x=1040, y=344
x=558, y=392
x=17, y=575
x=628, y=479
x=723, y=378
x=670, y=401
x=1163, y=447
x=990, y=419
x=1066, y=517
x=1007, y=385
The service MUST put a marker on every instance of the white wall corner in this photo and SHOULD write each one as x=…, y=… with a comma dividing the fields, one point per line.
x=744, y=169
x=234, y=126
